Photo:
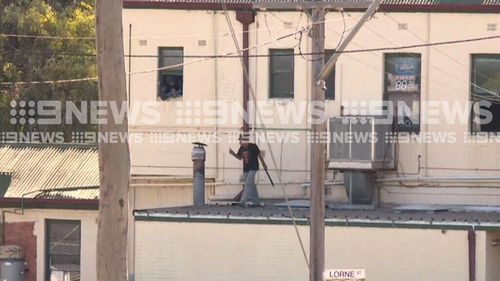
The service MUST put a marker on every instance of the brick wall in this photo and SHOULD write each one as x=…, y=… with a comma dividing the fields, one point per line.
x=21, y=233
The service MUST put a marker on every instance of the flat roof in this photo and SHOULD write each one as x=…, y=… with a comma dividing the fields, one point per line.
x=436, y=217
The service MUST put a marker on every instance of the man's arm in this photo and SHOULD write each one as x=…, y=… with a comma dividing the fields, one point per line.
x=234, y=154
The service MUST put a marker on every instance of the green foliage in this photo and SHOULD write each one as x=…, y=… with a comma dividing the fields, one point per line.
x=41, y=59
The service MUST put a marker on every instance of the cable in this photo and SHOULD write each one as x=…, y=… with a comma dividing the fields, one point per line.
x=50, y=37
x=449, y=57
x=45, y=36
x=232, y=55
x=433, y=66
x=267, y=27
x=343, y=31
x=444, y=53
x=204, y=58
x=50, y=81
x=352, y=51
x=247, y=77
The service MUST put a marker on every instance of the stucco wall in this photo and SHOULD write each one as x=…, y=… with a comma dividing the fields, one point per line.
x=492, y=256
x=359, y=77
x=217, y=251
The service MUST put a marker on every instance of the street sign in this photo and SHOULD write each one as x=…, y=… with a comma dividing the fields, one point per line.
x=344, y=275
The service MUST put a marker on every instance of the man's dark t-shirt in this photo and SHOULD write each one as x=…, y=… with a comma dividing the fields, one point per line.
x=249, y=155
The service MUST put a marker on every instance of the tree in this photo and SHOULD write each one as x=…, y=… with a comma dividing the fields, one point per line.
x=40, y=59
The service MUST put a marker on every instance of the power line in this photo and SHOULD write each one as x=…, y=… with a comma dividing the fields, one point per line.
x=451, y=58
x=363, y=50
x=92, y=38
x=203, y=58
x=252, y=92
x=45, y=36
x=50, y=81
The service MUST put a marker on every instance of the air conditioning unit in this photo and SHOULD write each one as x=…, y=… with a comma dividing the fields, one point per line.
x=363, y=143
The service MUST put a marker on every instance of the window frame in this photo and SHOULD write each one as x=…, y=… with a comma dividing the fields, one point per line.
x=472, y=81
x=160, y=73
x=272, y=73
x=386, y=94
x=49, y=222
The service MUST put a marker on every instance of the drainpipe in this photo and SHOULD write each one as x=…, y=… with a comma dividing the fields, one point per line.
x=245, y=18
x=472, y=254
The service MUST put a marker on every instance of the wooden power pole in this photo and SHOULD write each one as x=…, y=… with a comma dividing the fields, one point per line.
x=318, y=150
x=114, y=160
x=319, y=72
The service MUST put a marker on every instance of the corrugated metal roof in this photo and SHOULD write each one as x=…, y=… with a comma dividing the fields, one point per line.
x=441, y=2
x=453, y=217
x=51, y=171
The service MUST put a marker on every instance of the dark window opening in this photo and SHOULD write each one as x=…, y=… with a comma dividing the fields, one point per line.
x=281, y=73
x=171, y=80
x=330, y=80
x=402, y=76
x=62, y=250
x=485, y=93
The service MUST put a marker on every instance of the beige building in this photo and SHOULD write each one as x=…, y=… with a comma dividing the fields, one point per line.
x=218, y=243
x=448, y=161
x=48, y=200
x=182, y=57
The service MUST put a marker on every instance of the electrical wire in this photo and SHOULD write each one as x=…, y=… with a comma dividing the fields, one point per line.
x=204, y=58
x=247, y=77
x=233, y=55
x=422, y=40
x=449, y=57
x=343, y=30
x=433, y=66
x=45, y=36
x=306, y=28
x=198, y=35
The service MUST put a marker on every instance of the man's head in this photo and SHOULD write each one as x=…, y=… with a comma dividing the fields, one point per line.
x=244, y=139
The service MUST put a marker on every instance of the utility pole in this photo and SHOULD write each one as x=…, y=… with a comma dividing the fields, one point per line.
x=114, y=160
x=319, y=72
x=318, y=150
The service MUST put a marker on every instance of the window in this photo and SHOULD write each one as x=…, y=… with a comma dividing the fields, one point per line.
x=485, y=93
x=170, y=81
x=402, y=88
x=281, y=73
x=62, y=250
x=330, y=80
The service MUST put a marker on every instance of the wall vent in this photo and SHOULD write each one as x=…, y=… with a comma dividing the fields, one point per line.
x=402, y=26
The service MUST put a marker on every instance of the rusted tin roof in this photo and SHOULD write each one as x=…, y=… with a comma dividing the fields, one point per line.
x=51, y=171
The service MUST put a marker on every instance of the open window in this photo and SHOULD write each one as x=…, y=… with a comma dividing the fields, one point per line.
x=402, y=75
x=485, y=93
x=171, y=77
x=62, y=250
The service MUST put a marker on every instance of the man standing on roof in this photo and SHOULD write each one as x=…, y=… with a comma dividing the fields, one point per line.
x=250, y=154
